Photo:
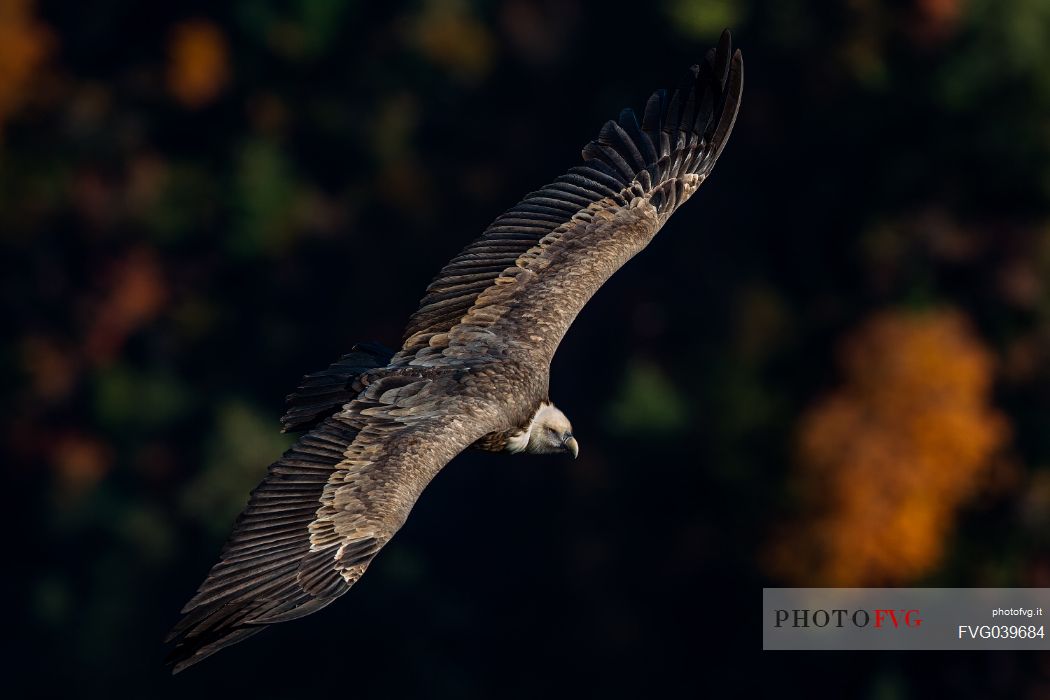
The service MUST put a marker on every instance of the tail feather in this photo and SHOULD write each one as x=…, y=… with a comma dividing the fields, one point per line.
x=321, y=394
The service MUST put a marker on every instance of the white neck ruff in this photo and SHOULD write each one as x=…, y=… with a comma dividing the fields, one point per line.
x=520, y=441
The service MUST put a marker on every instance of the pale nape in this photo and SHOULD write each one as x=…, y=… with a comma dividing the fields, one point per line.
x=549, y=432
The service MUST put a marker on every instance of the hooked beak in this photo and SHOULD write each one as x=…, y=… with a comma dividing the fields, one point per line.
x=572, y=446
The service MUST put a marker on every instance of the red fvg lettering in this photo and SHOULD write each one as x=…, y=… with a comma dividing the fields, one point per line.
x=909, y=618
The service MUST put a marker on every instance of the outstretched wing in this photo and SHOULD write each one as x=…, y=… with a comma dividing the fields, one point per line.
x=327, y=506
x=521, y=284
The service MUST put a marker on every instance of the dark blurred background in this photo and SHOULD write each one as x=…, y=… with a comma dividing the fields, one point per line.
x=829, y=369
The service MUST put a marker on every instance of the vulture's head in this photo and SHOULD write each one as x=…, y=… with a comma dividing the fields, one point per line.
x=549, y=432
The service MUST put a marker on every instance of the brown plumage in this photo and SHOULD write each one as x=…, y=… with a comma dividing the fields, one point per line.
x=472, y=372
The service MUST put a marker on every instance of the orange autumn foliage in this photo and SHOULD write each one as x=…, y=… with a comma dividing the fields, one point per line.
x=24, y=44
x=135, y=293
x=934, y=21
x=80, y=460
x=198, y=63
x=451, y=37
x=51, y=368
x=940, y=15
x=886, y=460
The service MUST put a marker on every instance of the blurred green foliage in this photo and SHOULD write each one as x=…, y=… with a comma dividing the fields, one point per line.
x=704, y=20
x=648, y=404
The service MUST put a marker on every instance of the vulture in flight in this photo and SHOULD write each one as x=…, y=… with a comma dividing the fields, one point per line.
x=473, y=370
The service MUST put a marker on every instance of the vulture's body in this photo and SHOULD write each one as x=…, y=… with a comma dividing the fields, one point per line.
x=473, y=370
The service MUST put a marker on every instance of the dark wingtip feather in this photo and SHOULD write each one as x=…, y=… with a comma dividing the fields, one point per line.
x=653, y=109
x=674, y=115
x=722, y=53
x=256, y=581
x=682, y=131
x=733, y=87
x=190, y=653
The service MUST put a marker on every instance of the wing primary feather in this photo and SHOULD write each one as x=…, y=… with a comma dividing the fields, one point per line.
x=654, y=109
x=720, y=60
x=672, y=117
x=618, y=138
x=729, y=106
x=629, y=124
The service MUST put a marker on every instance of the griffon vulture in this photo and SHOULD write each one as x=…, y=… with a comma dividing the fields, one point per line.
x=472, y=372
